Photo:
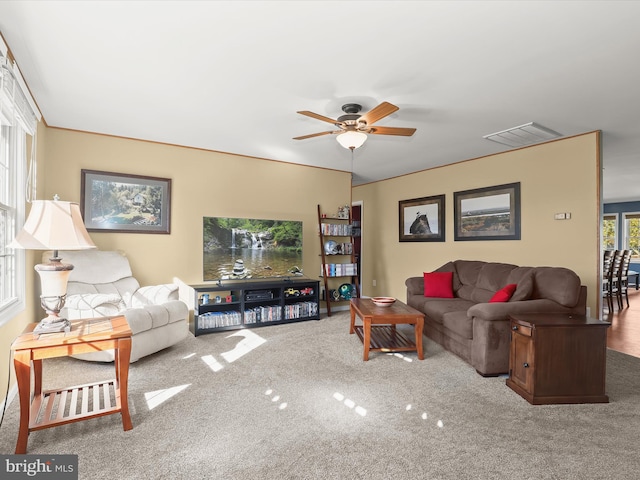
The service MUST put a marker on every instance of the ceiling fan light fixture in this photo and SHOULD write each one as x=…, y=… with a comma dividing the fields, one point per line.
x=523, y=135
x=351, y=140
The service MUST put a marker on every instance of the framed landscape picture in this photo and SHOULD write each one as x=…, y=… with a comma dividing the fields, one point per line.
x=422, y=219
x=490, y=213
x=119, y=202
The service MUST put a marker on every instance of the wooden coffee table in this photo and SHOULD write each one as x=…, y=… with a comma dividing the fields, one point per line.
x=47, y=408
x=378, y=330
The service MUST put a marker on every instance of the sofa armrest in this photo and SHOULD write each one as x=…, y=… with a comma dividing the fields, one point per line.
x=92, y=305
x=154, y=295
x=148, y=317
x=415, y=285
x=502, y=310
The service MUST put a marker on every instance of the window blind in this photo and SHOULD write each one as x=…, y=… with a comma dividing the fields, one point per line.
x=14, y=105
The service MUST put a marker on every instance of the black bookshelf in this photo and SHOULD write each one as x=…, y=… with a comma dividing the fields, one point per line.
x=232, y=305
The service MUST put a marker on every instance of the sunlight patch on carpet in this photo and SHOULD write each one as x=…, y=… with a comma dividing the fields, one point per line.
x=186, y=357
x=160, y=396
x=212, y=363
x=424, y=416
x=399, y=355
x=350, y=404
x=276, y=398
x=250, y=341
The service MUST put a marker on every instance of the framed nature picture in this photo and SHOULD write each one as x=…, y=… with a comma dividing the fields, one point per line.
x=119, y=202
x=490, y=213
x=422, y=219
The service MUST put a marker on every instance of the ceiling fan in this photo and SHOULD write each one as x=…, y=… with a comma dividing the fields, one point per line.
x=353, y=126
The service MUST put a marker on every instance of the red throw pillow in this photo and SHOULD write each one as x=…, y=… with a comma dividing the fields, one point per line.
x=438, y=284
x=504, y=294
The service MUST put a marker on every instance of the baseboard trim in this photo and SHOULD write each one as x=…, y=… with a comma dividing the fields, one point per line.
x=335, y=309
x=13, y=391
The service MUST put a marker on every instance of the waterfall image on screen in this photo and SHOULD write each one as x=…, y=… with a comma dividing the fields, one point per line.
x=242, y=248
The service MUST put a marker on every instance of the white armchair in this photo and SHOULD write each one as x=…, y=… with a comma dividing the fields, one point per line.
x=101, y=284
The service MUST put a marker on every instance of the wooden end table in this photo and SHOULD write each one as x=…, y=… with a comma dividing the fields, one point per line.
x=44, y=409
x=378, y=330
x=558, y=358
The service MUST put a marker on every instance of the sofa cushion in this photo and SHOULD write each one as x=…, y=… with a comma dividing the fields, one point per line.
x=417, y=301
x=96, y=266
x=558, y=284
x=523, y=277
x=139, y=320
x=450, y=267
x=92, y=305
x=154, y=295
x=458, y=322
x=435, y=308
x=123, y=287
x=467, y=272
x=491, y=278
x=504, y=294
x=438, y=284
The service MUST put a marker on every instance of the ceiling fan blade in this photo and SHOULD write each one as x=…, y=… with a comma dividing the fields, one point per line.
x=381, y=111
x=404, y=132
x=314, y=135
x=319, y=117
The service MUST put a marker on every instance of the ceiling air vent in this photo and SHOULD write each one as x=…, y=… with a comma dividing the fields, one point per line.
x=526, y=134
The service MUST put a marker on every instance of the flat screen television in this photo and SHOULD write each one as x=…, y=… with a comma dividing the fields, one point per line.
x=243, y=248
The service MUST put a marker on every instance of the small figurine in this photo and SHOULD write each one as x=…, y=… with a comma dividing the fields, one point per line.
x=343, y=212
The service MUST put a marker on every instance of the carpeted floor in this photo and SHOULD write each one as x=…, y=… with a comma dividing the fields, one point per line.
x=297, y=402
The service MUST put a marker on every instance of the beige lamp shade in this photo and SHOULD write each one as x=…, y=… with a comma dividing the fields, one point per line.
x=53, y=225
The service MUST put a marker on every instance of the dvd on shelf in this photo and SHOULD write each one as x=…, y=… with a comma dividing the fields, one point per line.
x=263, y=314
x=339, y=269
x=300, y=310
x=335, y=230
x=219, y=319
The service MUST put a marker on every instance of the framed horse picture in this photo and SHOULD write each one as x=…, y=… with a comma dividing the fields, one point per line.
x=422, y=219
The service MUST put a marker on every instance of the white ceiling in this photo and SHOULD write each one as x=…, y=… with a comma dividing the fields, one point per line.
x=230, y=75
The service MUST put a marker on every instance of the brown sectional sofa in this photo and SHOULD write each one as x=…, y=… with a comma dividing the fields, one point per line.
x=478, y=331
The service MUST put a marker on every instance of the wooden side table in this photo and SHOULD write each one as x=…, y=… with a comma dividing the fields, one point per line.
x=558, y=358
x=43, y=409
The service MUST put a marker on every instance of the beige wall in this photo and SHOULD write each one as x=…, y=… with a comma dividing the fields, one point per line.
x=559, y=176
x=204, y=183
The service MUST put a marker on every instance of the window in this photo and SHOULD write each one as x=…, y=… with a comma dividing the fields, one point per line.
x=632, y=233
x=17, y=126
x=609, y=231
x=11, y=196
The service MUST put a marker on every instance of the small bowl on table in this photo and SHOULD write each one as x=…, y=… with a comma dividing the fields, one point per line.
x=383, y=301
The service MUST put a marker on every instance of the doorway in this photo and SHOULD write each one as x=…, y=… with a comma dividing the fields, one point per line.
x=356, y=221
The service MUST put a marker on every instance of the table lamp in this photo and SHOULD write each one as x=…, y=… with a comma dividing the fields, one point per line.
x=53, y=225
